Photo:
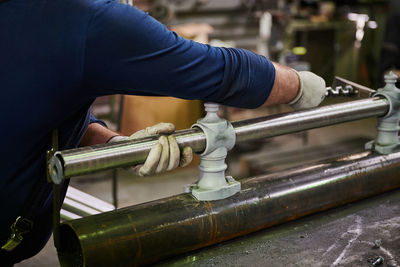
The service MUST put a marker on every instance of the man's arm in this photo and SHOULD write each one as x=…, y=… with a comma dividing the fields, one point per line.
x=286, y=86
x=97, y=134
x=140, y=56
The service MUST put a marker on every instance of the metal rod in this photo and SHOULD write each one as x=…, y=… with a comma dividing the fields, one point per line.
x=88, y=200
x=114, y=184
x=78, y=204
x=363, y=90
x=293, y=122
x=56, y=215
x=78, y=208
x=67, y=215
x=79, y=161
x=149, y=232
x=56, y=198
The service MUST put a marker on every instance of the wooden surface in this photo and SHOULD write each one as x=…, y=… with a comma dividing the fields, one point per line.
x=140, y=112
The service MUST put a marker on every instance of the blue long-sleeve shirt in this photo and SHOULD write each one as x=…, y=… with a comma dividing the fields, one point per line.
x=57, y=56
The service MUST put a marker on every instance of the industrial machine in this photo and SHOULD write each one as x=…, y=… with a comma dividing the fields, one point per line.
x=218, y=207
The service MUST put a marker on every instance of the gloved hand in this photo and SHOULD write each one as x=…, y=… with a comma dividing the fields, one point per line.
x=311, y=93
x=163, y=156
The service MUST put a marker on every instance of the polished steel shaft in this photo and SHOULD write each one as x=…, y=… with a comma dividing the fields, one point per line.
x=84, y=160
x=148, y=232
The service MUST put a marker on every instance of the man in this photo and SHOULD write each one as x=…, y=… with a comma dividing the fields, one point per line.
x=58, y=56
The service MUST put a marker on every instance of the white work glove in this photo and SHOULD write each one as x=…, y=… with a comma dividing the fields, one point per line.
x=163, y=156
x=311, y=93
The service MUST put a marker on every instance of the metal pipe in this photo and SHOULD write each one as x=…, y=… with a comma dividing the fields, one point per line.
x=298, y=121
x=78, y=204
x=78, y=208
x=88, y=200
x=79, y=161
x=73, y=162
x=149, y=232
x=66, y=215
x=363, y=91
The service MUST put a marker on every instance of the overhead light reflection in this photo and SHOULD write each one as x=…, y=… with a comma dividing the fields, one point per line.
x=372, y=24
x=361, y=20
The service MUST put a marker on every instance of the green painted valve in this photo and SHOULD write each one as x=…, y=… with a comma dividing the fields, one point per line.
x=387, y=140
x=221, y=137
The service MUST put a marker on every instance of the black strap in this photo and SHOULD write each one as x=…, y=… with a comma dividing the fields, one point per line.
x=24, y=222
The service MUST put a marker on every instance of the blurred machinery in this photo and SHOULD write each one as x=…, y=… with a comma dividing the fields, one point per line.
x=340, y=37
x=237, y=21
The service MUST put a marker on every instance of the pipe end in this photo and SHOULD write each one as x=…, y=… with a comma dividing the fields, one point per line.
x=56, y=169
x=70, y=254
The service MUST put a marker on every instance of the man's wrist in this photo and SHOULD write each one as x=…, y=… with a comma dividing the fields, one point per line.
x=300, y=93
x=96, y=134
x=116, y=138
x=286, y=86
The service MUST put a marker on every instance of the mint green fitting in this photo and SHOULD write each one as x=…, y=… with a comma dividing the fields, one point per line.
x=221, y=137
x=387, y=140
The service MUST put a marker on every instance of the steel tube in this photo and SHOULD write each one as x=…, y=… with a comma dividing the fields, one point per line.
x=79, y=161
x=73, y=162
x=78, y=204
x=149, y=232
x=292, y=122
x=363, y=91
x=78, y=208
x=67, y=215
x=88, y=200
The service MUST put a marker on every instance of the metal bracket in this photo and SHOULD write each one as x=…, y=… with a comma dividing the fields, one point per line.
x=221, y=137
x=387, y=140
x=56, y=189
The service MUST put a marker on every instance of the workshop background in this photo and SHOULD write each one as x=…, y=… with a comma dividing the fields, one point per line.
x=356, y=40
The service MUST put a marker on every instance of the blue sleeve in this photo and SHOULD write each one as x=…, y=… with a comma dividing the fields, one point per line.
x=129, y=52
x=93, y=119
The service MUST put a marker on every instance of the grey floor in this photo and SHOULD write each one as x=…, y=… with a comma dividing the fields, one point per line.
x=293, y=244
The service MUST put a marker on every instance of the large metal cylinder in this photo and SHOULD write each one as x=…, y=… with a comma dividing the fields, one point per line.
x=84, y=160
x=156, y=230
